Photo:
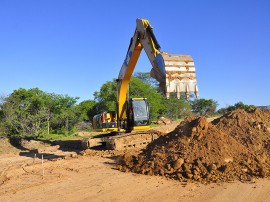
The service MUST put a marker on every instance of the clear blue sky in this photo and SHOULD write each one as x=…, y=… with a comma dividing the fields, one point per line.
x=74, y=46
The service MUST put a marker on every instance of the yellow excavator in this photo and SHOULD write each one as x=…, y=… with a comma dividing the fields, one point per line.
x=175, y=74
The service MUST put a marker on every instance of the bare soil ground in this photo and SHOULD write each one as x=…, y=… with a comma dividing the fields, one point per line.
x=92, y=176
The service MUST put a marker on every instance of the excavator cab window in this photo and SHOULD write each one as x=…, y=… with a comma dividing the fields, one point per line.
x=138, y=112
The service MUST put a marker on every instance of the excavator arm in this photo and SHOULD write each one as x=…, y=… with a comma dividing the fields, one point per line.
x=175, y=73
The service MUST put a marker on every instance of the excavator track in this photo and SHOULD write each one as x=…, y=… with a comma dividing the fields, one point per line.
x=138, y=139
x=123, y=141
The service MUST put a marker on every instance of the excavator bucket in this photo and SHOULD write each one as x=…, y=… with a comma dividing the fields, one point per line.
x=176, y=74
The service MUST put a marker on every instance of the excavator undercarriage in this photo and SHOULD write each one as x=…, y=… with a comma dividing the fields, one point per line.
x=122, y=141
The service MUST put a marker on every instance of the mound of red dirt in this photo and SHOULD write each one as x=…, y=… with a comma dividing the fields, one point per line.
x=233, y=147
x=250, y=128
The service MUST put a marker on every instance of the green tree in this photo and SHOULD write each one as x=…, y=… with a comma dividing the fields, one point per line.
x=64, y=114
x=2, y=125
x=106, y=97
x=204, y=106
x=50, y=107
x=22, y=112
x=146, y=78
x=84, y=110
x=2, y=100
x=175, y=108
x=30, y=113
x=238, y=105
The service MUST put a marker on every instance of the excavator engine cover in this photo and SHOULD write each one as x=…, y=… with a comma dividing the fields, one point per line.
x=180, y=74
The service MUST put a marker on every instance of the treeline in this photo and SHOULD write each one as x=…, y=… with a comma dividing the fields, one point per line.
x=33, y=112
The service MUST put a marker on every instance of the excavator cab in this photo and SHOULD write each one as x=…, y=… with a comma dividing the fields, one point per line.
x=137, y=110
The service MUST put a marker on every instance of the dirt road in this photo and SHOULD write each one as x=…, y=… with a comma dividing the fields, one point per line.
x=93, y=178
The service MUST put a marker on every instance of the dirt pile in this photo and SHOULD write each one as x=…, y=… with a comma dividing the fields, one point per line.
x=6, y=147
x=233, y=147
x=250, y=128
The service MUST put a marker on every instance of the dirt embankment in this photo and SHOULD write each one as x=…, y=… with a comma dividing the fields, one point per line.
x=233, y=147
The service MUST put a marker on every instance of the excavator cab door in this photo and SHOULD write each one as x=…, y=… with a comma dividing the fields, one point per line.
x=137, y=114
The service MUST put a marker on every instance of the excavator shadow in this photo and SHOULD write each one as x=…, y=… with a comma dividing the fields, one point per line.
x=34, y=154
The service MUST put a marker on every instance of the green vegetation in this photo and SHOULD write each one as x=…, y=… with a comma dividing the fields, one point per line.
x=34, y=113
x=37, y=114
x=238, y=105
x=203, y=106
